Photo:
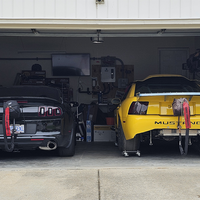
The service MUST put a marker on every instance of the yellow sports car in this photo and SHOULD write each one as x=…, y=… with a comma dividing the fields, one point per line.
x=148, y=111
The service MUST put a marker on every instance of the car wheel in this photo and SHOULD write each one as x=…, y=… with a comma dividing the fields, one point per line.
x=127, y=145
x=70, y=151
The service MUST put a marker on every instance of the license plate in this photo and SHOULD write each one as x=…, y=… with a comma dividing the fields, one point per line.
x=18, y=127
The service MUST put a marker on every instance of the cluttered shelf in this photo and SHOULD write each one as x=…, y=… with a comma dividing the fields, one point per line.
x=96, y=122
x=29, y=77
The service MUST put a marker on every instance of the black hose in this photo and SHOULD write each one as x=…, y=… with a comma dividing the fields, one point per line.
x=180, y=145
x=122, y=63
x=104, y=89
x=185, y=150
x=186, y=141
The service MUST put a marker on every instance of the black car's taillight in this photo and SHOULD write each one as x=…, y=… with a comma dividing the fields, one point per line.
x=49, y=111
x=138, y=108
x=57, y=112
x=42, y=111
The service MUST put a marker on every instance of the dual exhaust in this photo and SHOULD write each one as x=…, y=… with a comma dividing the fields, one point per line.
x=51, y=145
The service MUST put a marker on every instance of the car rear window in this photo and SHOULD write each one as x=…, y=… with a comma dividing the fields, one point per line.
x=31, y=91
x=166, y=84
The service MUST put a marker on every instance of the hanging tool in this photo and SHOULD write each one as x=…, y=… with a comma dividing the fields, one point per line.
x=186, y=111
x=180, y=139
x=181, y=107
x=11, y=111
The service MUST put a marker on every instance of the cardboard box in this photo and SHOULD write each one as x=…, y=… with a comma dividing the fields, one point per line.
x=103, y=133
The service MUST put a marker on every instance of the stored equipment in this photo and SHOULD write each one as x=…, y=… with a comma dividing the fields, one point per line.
x=11, y=112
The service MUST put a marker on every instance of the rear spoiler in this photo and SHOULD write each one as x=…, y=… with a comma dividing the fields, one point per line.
x=191, y=94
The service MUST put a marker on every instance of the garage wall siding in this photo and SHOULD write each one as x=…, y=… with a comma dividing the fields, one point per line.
x=111, y=9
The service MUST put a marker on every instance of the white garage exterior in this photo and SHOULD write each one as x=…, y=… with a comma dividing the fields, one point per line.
x=87, y=14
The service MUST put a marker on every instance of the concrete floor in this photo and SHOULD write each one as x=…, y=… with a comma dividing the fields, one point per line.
x=99, y=172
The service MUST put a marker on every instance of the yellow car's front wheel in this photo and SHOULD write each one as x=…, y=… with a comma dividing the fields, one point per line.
x=131, y=145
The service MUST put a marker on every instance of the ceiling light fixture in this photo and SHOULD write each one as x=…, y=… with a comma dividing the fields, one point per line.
x=98, y=39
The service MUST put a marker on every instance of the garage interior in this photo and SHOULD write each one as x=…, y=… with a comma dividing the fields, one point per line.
x=133, y=54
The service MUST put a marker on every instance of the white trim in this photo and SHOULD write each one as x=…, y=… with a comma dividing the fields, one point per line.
x=103, y=24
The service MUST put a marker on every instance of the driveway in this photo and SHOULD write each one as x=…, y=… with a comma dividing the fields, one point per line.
x=99, y=172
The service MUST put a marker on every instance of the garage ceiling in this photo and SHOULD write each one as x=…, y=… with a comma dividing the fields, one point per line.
x=102, y=33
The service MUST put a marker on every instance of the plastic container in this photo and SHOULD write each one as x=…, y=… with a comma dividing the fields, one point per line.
x=110, y=120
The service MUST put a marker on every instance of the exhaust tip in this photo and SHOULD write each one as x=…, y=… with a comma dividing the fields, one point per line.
x=51, y=145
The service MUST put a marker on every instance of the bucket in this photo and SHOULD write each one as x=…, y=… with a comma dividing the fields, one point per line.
x=110, y=120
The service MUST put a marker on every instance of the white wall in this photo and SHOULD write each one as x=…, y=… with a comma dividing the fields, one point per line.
x=143, y=53
x=111, y=9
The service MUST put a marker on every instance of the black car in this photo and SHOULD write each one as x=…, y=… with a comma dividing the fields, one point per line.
x=36, y=117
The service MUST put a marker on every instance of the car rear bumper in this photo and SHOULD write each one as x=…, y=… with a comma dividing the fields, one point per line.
x=136, y=124
x=23, y=141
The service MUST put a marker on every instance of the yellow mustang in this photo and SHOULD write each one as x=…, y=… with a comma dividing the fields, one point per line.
x=146, y=112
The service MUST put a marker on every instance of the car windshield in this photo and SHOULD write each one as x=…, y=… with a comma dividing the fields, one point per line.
x=166, y=84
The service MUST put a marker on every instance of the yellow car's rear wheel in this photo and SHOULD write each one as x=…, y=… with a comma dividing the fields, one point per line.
x=127, y=145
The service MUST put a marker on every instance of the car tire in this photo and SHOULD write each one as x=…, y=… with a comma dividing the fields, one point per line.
x=127, y=145
x=69, y=151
